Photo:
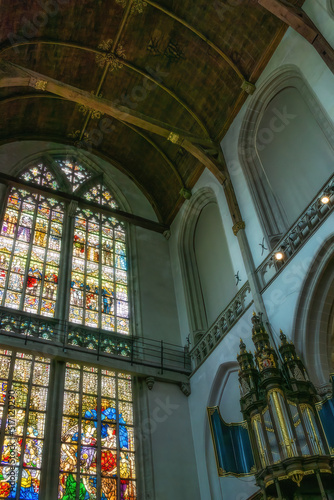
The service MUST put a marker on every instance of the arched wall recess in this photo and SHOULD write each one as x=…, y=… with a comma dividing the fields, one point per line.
x=193, y=293
x=213, y=261
x=256, y=135
x=313, y=322
x=330, y=6
x=220, y=394
x=206, y=264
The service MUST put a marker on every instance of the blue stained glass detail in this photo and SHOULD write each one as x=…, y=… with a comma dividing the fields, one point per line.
x=110, y=414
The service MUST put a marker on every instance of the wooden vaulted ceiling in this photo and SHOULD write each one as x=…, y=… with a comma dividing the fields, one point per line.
x=180, y=62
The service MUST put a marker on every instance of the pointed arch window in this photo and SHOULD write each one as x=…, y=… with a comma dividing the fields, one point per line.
x=40, y=174
x=30, y=245
x=97, y=456
x=99, y=293
x=75, y=173
x=24, y=381
x=97, y=451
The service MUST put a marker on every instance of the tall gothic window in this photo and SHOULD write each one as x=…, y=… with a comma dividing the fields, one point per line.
x=30, y=245
x=38, y=238
x=99, y=296
x=24, y=381
x=97, y=459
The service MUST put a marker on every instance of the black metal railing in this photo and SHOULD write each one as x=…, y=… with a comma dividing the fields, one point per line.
x=70, y=336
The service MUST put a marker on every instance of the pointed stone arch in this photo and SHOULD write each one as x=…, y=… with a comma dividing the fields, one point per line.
x=314, y=317
x=193, y=293
x=270, y=211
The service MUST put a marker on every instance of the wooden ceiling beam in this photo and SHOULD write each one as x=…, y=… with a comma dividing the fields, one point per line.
x=126, y=64
x=15, y=76
x=160, y=151
x=146, y=137
x=296, y=18
x=12, y=75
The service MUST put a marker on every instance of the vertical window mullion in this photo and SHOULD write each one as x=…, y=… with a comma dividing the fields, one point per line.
x=65, y=267
x=100, y=272
x=114, y=264
x=24, y=438
x=85, y=274
x=5, y=408
x=99, y=435
x=79, y=433
x=118, y=451
x=45, y=262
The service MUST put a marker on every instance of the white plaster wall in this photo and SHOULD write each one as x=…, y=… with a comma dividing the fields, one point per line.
x=174, y=466
x=206, y=180
x=213, y=261
x=215, y=382
x=157, y=298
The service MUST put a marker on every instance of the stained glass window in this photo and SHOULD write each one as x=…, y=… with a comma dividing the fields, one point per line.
x=30, y=245
x=99, y=194
x=99, y=293
x=24, y=383
x=39, y=174
x=75, y=173
x=97, y=438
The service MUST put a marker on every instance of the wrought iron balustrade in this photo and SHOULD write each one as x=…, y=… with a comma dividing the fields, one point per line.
x=298, y=234
x=69, y=336
x=223, y=324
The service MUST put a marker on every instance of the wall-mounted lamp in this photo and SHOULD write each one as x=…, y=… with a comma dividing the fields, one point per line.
x=279, y=255
x=325, y=199
x=326, y=196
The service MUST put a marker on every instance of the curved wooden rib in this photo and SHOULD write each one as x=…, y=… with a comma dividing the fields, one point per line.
x=125, y=64
x=200, y=35
x=12, y=75
x=160, y=151
x=102, y=155
x=146, y=137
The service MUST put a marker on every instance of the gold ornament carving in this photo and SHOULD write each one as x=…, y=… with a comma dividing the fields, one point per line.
x=248, y=87
x=41, y=84
x=138, y=6
x=296, y=476
x=239, y=225
x=174, y=138
x=110, y=57
x=94, y=113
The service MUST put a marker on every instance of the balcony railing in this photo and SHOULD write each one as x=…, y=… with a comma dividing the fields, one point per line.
x=299, y=233
x=69, y=336
x=223, y=324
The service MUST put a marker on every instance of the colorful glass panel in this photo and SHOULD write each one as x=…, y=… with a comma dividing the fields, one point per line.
x=24, y=383
x=100, y=195
x=30, y=244
x=75, y=173
x=39, y=174
x=97, y=451
x=99, y=294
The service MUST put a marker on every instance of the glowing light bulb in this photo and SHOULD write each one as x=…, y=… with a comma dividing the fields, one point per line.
x=324, y=199
x=279, y=255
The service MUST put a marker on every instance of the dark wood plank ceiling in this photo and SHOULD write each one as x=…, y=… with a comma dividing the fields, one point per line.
x=179, y=62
